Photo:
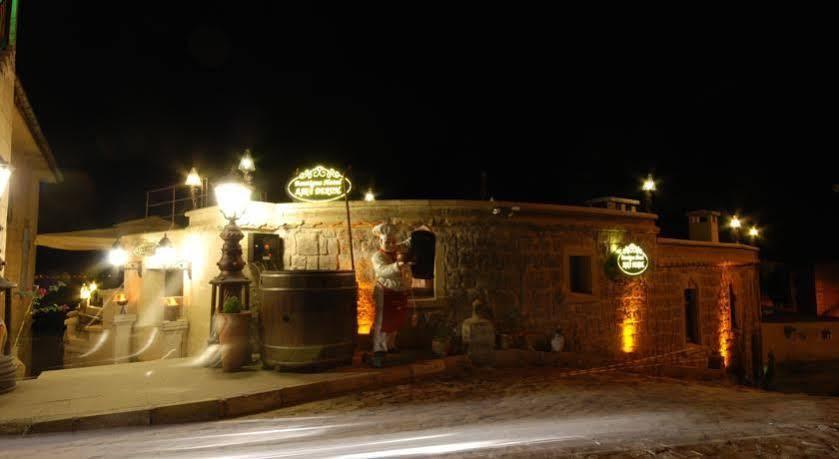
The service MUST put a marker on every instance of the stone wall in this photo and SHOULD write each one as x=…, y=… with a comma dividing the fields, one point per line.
x=516, y=256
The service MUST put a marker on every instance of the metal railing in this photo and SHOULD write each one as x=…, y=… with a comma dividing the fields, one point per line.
x=174, y=201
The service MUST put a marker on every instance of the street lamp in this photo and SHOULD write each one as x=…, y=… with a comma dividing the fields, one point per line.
x=247, y=166
x=735, y=224
x=193, y=181
x=233, y=198
x=754, y=233
x=369, y=196
x=648, y=187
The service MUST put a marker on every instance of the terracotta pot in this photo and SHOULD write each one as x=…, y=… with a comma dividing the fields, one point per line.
x=234, y=338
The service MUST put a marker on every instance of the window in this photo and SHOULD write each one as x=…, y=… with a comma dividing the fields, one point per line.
x=423, y=247
x=692, y=315
x=580, y=274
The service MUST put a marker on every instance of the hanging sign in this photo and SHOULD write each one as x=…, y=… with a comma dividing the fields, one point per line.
x=632, y=260
x=318, y=184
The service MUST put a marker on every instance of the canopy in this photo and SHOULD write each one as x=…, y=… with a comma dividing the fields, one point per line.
x=102, y=238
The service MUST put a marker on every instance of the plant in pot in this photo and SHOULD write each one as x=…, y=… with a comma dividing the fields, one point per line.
x=234, y=336
x=442, y=333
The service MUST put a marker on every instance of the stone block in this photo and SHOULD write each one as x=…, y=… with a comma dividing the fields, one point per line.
x=307, y=244
x=324, y=246
x=294, y=395
x=328, y=262
x=298, y=262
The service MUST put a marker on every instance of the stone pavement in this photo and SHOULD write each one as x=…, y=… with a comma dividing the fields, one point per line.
x=530, y=412
x=171, y=391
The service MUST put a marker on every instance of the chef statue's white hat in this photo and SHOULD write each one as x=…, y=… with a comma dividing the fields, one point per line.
x=383, y=230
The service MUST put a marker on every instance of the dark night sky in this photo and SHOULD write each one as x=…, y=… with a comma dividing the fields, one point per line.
x=555, y=106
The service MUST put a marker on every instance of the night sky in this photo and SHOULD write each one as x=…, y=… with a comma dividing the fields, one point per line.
x=556, y=106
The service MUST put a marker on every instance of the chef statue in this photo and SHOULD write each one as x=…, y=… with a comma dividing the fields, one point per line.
x=390, y=295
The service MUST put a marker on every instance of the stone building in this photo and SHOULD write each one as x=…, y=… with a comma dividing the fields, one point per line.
x=24, y=148
x=552, y=265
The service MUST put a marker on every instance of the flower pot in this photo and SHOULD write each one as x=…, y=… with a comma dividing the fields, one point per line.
x=440, y=346
x=234, y=338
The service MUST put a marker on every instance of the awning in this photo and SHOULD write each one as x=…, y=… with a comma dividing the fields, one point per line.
x=102, y=238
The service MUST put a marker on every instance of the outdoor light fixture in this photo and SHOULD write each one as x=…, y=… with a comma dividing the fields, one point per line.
x=649, y=184
x=754, y=232
x=84, y=292
x=121, y=300
x=232, y=197
x=194, y=182
x=193, y=179
x=648, y=187
x=247, y=166
x=164, y=254
x=735, y=223
x=118, y=255
x=369, y=196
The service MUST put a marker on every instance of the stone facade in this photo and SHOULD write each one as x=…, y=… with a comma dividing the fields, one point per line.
x=517, y=257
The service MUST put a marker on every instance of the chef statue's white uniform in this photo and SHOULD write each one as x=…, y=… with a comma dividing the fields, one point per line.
x=390, y=294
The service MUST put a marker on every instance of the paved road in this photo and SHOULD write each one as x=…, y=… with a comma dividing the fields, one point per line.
x=504, y=412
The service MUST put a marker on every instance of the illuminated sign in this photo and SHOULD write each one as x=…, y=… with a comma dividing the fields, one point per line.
x=632, y=260
x=318, y=184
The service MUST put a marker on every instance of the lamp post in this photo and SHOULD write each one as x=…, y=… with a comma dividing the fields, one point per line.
x=193, y=181
x=648, y=187
x=369, y=196
x=247, y=166
x=735, y=224
x=754, y=233
x=232, y=197
x=7, y=360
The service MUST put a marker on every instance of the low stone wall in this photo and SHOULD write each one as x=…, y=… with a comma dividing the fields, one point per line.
x=801, y=341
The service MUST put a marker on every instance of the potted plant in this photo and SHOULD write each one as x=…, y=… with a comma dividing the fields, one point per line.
x=443, y=330
x=234, y=335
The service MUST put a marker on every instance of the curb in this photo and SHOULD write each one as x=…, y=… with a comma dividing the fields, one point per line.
x=243, y=404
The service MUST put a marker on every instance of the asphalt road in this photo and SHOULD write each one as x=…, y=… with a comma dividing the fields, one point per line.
x=530, y=413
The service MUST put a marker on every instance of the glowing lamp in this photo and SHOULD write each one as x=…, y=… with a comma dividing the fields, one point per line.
x=164, y=254
x=5, y=174
x=121, y=300
x=754, y=232
x=369, y=196
x=735, y=223
x=117, y=256
x=649, y=184
x=84, y=292
x=93, y=287
x=246, y=164
x=233, y=198
x=193, y=179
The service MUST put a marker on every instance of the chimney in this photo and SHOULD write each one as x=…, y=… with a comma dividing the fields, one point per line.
x=703, y=225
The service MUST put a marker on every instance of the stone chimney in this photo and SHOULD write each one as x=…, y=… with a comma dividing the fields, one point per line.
x=703, y=225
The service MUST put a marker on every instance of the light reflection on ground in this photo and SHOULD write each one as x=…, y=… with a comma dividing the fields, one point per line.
x=500, y=412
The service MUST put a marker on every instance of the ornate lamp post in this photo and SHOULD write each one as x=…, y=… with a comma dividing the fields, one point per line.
x=7, y=360
x=194, y=182
x=233, y=198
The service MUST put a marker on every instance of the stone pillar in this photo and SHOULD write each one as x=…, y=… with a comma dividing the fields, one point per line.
x=174, y=338
x=122, y=328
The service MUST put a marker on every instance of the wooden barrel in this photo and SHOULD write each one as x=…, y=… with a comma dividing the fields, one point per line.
x=308, y=319
x=7, y=373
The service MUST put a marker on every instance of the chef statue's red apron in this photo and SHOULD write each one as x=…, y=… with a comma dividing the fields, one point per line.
x=391, y=292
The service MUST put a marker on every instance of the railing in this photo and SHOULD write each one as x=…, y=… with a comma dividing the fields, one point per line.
x=175, y=200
